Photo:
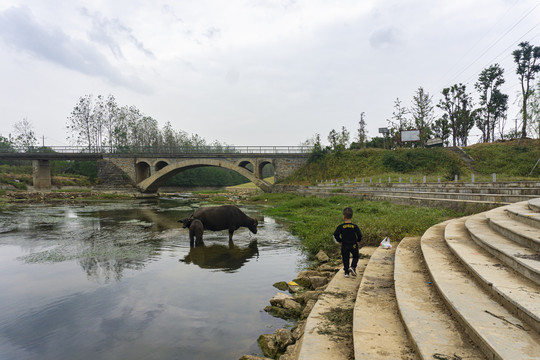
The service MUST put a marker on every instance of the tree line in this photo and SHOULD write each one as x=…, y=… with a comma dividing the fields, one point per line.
x=100, y=122
x=458, y=113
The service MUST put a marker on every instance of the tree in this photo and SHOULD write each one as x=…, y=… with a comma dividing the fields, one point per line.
x=24, y=136
x=6, y=144
x=344, y=138
x=362, y=132
x=441, y=128
x=457, y=105
x=333, y=139
x=110, y=119
x=376, y=142
x=80, y=122
x=534, y=112
x=526, y=59
x=317, y=151
x=466, y=119
x=494, y=104
x=422, y=113
x=398, y=121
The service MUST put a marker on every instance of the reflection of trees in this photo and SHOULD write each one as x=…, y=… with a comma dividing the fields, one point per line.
x=221, y=257
x=102, y=270
x=106, y=259
x=116, y=243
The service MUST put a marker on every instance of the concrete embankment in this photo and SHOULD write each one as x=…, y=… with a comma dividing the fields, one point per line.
x=468, y=288
x=471, y=197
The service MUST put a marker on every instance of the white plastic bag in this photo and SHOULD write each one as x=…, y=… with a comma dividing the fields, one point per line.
x=385, y=244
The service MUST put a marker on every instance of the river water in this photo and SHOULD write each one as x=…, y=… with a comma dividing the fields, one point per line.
x=118, y=280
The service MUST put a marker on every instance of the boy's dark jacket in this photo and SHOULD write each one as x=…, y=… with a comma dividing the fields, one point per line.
x=348, y=234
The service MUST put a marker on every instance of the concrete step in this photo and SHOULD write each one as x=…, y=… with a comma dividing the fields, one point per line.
x=429, y=323
x=534, y=204
x=499, y=198
x=423, y=201
x=520, y=258
x=535, y=185
x=523, y=213
x=494, y=329
x=320, y=340
x=464, y=188
x=497, y=195
x=444, y=190
x=519, y=232
x=377, y=329
x=518, y=294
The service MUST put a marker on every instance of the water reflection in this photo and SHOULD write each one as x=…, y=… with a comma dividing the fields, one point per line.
x=134, y=298
x=221, y=257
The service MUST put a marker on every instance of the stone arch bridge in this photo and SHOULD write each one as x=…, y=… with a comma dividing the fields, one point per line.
x=150, y=169
x=148, y=173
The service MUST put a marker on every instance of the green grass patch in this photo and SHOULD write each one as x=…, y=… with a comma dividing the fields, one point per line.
x=375, y=163
x=80, y=190
x=108, y=196
x=510, y=159
x=315, y=219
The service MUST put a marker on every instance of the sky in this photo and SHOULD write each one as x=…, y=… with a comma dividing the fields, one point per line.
x=260, y=72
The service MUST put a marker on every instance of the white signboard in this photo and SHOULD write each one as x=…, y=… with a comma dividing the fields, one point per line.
x=434, y=142
x=410, y=135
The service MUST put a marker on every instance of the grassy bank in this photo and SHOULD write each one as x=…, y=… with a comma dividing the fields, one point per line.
x=314, y=219
x=19, y=177
x=510, y=160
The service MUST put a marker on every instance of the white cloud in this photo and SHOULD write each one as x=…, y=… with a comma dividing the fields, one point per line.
x=259, y=72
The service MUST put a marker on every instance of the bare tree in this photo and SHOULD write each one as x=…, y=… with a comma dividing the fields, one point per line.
x=80, y=122
x=24, y=136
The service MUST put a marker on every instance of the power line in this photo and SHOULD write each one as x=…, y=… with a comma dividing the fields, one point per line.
x=478, y=41
x=495, y=43
x=505, y=51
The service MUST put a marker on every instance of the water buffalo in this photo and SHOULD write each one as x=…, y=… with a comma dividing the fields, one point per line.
x=226, y=217
x=221, y=257
x=196, y=230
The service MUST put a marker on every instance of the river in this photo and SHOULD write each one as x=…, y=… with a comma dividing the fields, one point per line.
x=118, y=280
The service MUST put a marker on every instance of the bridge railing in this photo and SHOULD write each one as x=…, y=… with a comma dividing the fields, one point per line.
x=169, y=150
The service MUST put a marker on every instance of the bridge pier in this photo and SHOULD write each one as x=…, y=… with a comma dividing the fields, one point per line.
x=41, y=171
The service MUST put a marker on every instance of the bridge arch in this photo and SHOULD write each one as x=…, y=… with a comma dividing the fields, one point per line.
x=247, y=164
x=153, y=182
x=261, y=166
x=142, y=171
x=160, y=165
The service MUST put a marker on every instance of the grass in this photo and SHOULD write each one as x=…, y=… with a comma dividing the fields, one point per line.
x=251, y=185
x=315, y=219
x=511, y=161
x=78, y=190
x=514, y=158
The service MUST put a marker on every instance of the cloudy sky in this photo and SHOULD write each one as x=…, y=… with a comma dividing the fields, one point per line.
x=260, y=72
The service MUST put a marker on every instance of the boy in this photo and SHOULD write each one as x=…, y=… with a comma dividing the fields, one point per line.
x=349, y=236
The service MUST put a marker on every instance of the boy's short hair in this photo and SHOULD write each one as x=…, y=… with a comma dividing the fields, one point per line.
x=348, y=213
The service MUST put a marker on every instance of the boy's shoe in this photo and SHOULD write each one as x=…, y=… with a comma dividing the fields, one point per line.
x=346, y=275
x=352, y=271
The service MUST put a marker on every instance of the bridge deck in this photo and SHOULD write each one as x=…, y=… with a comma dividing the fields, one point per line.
x=79, y=152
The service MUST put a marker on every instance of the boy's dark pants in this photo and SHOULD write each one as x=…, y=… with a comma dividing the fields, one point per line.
x=346, y=250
